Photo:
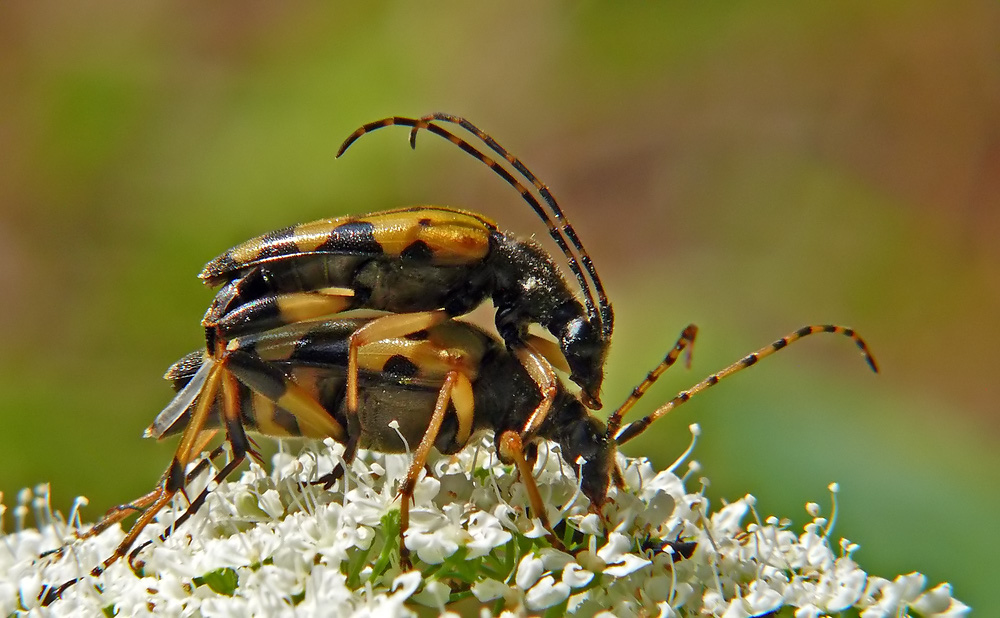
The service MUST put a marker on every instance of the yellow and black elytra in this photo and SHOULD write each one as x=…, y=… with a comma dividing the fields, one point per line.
x=424, y=265
x=443, y=386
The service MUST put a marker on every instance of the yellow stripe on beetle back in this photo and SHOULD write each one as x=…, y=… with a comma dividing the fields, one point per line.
x=450, y=237
x=438, y=213
x=307, y=237
x=247, y=252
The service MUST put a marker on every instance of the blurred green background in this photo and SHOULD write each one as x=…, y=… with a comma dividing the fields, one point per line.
x=748, y=167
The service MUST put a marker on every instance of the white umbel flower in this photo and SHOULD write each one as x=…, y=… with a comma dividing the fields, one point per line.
x=272, y=544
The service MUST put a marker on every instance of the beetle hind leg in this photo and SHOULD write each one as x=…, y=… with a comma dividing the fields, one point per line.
x=118, y=513
x=454, y=382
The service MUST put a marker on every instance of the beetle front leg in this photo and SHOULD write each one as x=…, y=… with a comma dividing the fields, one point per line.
x=511, y=448
x=541, y=373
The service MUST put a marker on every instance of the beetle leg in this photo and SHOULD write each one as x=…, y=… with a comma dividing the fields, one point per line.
x=549, y=350
x=511, y=448
x=385, y=327
x=272, y=385
x=635, y=428
x=193, y=440
x=173, y=478
x=235, y=433
x=463, y=400
x=350, y=450
x=453, y=379
x=542, y=375
x=118, y=513
x=192, y=507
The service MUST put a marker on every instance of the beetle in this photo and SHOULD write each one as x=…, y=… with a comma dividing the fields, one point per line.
x=443, y=386
x=424, y=265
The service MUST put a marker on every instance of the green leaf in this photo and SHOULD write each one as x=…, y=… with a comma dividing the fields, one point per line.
x=223, y=581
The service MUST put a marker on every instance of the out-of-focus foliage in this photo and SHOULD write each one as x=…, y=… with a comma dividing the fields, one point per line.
x=750, y=168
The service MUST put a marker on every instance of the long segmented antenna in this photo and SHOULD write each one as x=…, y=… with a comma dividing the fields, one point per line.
x=565, y=227
x=685, y=340
x=554, y=230
x=635, y=428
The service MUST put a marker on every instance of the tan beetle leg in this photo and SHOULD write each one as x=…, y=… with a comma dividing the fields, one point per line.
x=550, y=350
x=294, y=399
x=419, y=459
x=173, y=478
x=541, y=374
x=463, y=400
x=512, y=449
x=118, y=513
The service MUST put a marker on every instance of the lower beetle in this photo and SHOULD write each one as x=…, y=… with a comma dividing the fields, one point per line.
x=441, y=386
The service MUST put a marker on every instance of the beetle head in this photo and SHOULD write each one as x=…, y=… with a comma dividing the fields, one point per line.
x=585, y=350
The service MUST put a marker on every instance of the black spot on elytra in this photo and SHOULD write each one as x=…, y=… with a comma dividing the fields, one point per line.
x=353, y=237
x=417, y=250
x=400, y=366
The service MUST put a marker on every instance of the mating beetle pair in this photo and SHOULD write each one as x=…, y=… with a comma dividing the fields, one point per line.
x=276, y=363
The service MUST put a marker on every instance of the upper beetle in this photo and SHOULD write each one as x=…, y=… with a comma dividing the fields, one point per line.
x=425, y=264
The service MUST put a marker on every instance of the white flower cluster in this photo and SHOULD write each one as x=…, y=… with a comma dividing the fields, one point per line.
x=276, y=545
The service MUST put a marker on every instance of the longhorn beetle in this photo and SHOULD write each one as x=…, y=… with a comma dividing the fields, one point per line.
x=424, y=265
x=443, y=386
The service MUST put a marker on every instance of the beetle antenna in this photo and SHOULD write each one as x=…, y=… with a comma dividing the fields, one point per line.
x=685, y=340
x=632, y=430
x=604, y=315
x=564, y=226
